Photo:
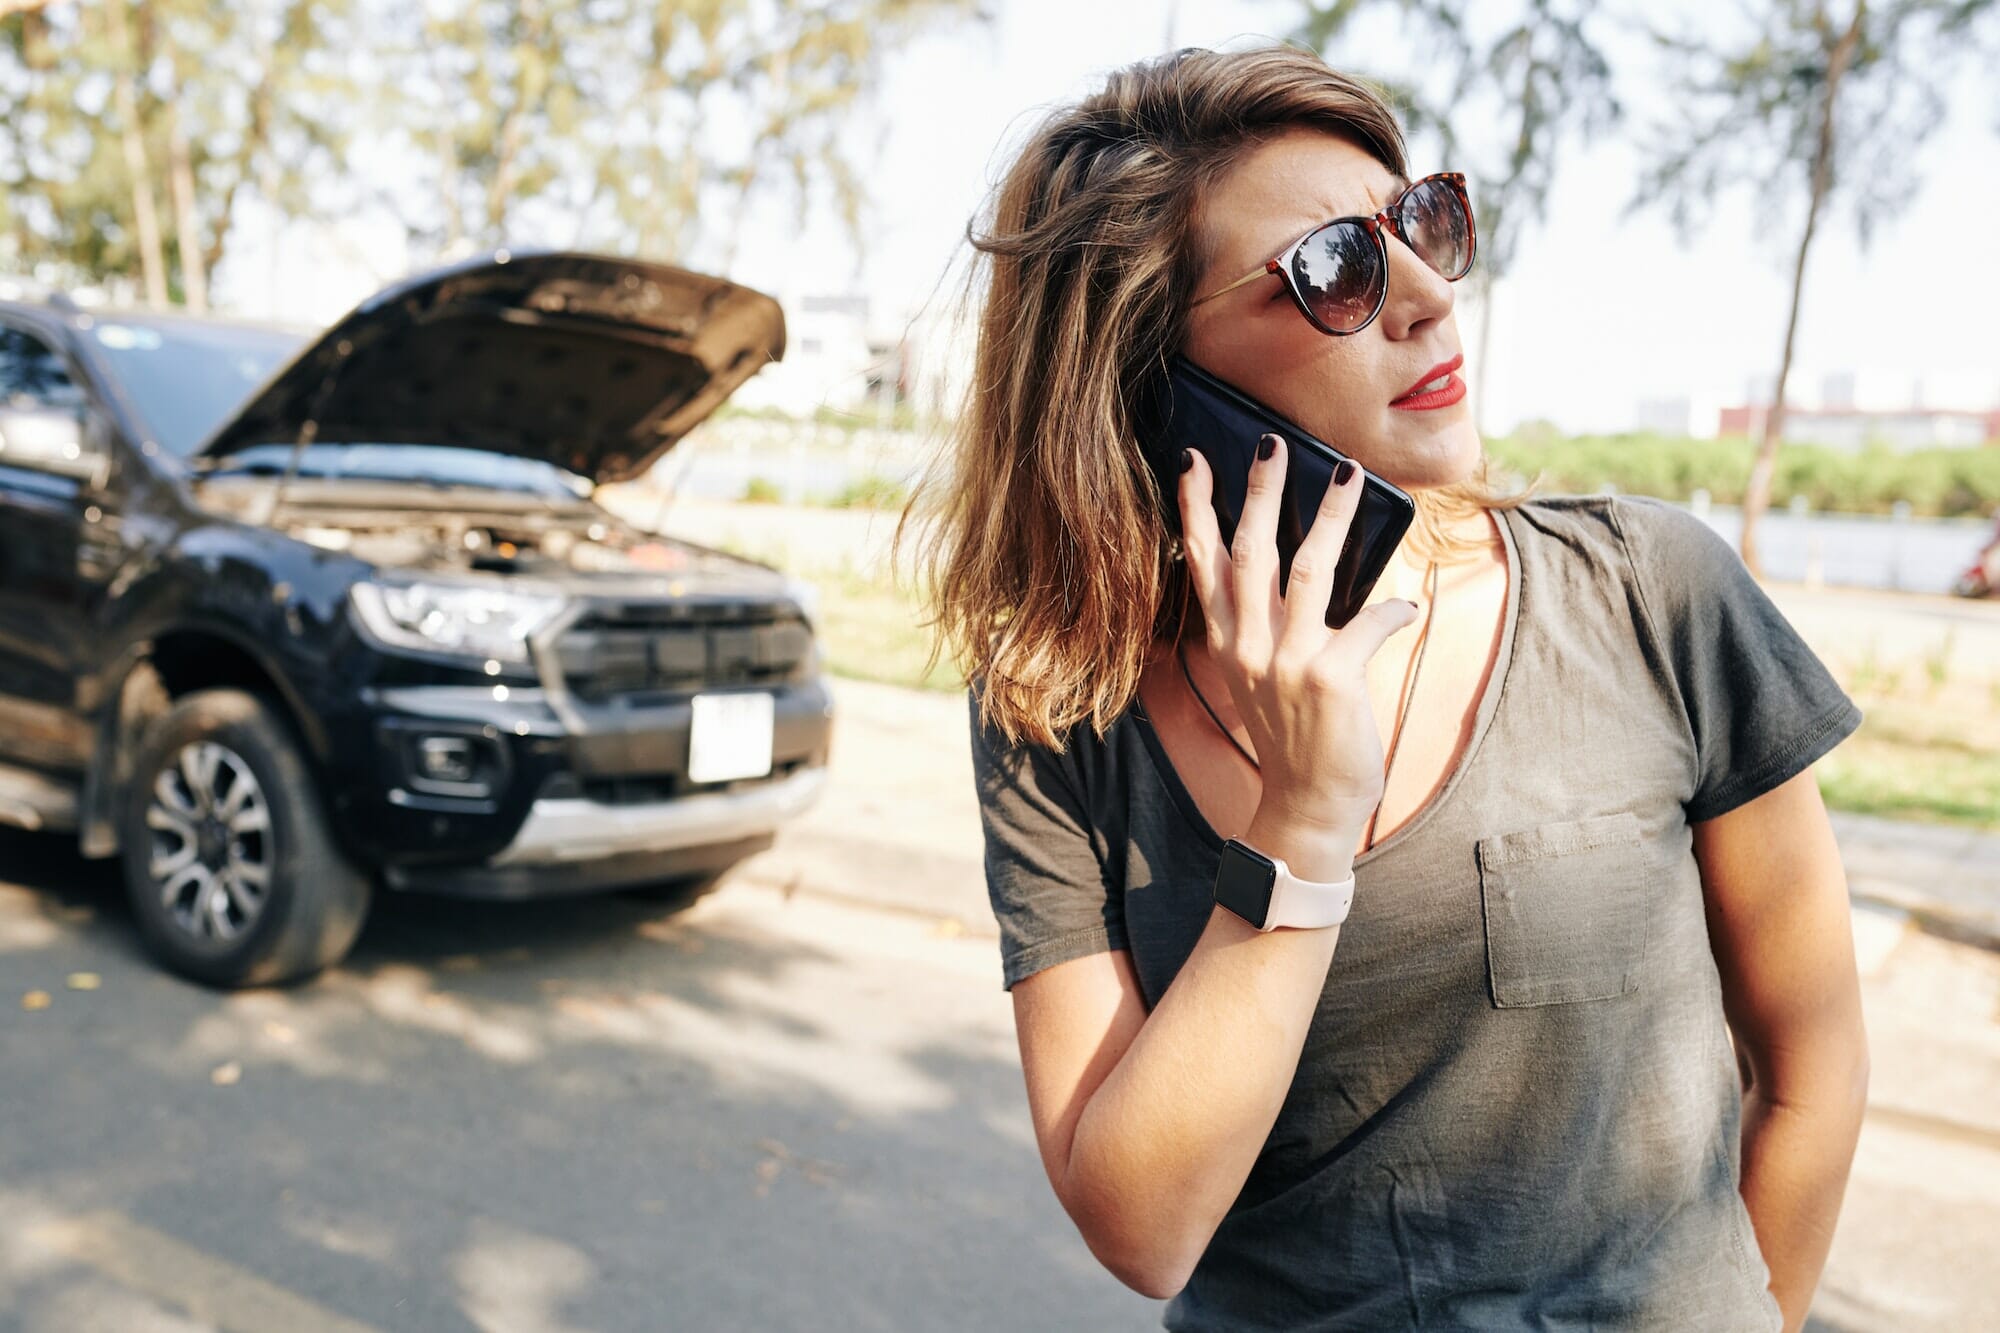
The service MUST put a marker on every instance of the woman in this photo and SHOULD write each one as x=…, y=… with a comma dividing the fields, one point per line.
x=1501, y=1092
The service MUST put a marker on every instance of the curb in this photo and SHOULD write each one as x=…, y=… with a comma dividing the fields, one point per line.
x=1970, y=926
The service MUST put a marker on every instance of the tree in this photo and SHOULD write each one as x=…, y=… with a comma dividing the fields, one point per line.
x=1824, y=100
x=127, y=61
x=109, y=107
x=1548, y=73
x=134, y=132
x=641, y=125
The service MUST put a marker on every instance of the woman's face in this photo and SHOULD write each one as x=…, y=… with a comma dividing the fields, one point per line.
x=1342, y=389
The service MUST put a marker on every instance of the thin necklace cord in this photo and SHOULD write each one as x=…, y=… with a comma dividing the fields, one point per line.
x=1180, y=651
x=1409, y=693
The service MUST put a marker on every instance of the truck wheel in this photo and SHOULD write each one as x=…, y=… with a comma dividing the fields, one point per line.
x=232, y=870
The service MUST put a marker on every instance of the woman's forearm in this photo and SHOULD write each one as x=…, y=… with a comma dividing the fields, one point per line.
x=1796, y=1155
x=1163, y=1147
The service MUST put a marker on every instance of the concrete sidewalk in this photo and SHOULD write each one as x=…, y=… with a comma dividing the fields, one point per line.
x=899, y=828
x=1947, y=879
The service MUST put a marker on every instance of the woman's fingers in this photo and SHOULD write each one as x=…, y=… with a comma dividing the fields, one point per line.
x=1310, y=584
x=1201, y=541
x=1253, y=552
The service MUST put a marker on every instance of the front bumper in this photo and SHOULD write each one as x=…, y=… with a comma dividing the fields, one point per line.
x=578, y=845
x=590, y=801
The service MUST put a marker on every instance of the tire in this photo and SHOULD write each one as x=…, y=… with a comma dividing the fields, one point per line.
x=221, y=798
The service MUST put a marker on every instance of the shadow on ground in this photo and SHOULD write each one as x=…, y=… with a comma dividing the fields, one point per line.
x=594, y=1114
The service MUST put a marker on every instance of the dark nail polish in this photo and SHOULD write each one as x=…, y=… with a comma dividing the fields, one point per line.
x=1187, y=459
x=1342, y=471
x=1266, y=446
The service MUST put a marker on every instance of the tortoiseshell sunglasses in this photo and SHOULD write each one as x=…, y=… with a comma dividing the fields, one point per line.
x=1338, y=273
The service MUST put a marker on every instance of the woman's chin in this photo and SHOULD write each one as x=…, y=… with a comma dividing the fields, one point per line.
x=1443, y=457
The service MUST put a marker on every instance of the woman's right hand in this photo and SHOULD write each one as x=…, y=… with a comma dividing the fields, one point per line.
x=1300, y=687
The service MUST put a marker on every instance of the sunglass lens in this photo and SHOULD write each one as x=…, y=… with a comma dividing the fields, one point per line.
x=1339, y=273
x=1436, y=226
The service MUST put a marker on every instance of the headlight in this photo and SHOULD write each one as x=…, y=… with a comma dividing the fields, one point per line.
x=488, y=623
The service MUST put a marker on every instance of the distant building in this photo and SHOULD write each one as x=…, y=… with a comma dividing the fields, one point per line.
x=1855, y=428
x=1856, y=409
x=838, y=356
x=1694, y=415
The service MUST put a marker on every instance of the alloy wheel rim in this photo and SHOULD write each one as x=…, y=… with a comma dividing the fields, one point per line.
x=211, y=856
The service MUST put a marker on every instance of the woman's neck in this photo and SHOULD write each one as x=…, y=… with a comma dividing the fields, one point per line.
x=1474, y=534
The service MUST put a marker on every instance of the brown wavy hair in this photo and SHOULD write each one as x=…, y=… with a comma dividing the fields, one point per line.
x=1048, y=554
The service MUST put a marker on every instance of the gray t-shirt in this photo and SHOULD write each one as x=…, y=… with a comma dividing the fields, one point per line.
x=1517, y=1104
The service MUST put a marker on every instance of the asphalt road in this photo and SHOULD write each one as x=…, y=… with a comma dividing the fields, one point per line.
x=756, y=1113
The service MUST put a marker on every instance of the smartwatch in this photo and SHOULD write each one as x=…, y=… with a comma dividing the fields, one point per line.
x=1264, y=892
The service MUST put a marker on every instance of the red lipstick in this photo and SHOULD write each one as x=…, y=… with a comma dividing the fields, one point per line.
x=1450, y=392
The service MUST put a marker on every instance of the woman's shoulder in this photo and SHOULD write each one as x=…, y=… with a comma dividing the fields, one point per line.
x=1082, y=763
x=1634, y=539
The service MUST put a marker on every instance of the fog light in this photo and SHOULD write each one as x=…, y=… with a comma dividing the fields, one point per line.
x=447, y=759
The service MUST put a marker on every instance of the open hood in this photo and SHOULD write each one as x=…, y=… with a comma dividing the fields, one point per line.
x=595, y=364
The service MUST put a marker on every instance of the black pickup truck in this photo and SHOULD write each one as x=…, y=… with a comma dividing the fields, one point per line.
x=286, y=619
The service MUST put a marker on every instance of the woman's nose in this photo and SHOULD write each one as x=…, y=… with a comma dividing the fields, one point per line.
x=1418, y=294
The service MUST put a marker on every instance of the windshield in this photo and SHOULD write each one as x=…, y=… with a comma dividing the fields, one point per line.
x=428, y=464
x=186, y=378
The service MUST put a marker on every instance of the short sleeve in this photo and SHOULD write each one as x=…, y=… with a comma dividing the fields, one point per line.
x=1760, y=705
x=1044, y=875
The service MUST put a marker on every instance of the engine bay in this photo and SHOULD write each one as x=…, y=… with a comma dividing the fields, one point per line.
x=518, y=535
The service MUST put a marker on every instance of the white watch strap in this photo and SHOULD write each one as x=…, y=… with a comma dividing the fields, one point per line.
x=1305, y=902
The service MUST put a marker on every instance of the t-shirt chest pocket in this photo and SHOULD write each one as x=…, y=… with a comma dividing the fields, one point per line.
x=1566, y=911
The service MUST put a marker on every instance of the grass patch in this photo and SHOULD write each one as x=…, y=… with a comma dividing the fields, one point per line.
x=871, y=492
x=1914, y=759
x=869, y=630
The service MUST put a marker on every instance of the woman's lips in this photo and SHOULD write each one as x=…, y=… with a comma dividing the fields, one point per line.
x=1452, y=392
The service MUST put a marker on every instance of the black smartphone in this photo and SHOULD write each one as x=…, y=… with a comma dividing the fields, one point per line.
x=1201, y=412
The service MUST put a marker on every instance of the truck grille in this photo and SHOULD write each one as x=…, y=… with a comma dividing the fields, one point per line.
x=666, y=650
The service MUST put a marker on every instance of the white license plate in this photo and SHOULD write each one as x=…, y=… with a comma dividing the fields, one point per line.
x=730, y=737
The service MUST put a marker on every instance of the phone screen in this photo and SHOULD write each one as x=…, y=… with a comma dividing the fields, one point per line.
x=1202, y=412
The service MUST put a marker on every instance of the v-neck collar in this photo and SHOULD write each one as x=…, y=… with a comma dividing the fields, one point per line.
x=1489, y=704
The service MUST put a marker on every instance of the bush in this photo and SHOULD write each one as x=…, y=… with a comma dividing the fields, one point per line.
x=871, y=492
x=762, y=491
x=1945, y=483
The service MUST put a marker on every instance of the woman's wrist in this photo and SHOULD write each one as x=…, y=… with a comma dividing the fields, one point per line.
x=1322, y=853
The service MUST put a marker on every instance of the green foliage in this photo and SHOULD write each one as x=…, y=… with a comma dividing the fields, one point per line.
x=1913, y=760
x=600, y=121
x=762, y=491
x=1937, y=663
x=1755, y=105
x=872, y=492
x=231, y=102
x=1947, y=483
x=589, y=123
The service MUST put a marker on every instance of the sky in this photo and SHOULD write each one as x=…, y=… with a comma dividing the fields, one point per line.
x=1600, y=312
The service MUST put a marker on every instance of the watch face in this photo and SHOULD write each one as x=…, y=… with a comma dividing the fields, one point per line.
x=1243, y=882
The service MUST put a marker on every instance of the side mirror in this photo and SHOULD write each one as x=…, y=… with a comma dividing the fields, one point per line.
x=49, y=440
